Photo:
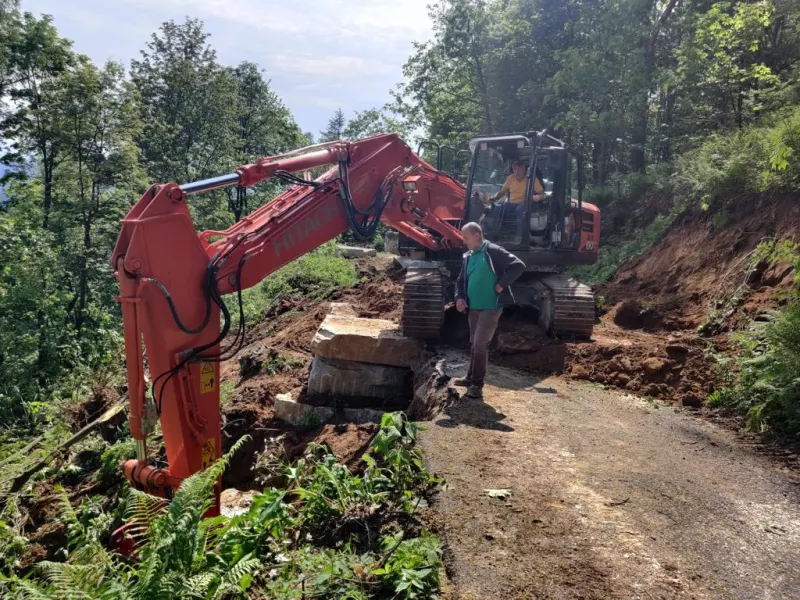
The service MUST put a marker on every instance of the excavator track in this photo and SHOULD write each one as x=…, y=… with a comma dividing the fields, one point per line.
x=566, y=307
x=423, y=303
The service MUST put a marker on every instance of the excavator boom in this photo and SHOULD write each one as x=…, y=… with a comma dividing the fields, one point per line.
x=172, y=279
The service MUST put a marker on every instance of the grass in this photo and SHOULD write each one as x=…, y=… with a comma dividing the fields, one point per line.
x=227, y=391
x=312, y=276
x=611, y=258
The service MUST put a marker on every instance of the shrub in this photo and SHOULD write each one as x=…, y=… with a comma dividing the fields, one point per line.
x=758, y=158
x=611, y=258
x=313, y=276
x=762, y=382
x=300, y=542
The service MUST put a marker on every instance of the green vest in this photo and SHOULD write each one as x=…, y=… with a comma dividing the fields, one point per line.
x=481, y=280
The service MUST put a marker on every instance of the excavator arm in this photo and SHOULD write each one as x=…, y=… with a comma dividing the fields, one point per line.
x=172, y=279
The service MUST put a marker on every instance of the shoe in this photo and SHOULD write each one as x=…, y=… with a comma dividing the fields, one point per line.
x=462, y=382
x=474, y=392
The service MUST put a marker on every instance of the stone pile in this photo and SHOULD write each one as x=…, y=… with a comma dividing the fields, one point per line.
x=367, y=361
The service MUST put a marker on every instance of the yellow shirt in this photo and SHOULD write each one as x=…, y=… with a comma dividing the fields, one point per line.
x=516, y=188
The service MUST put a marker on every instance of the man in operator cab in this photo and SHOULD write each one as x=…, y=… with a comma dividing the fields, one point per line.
x=514, y=186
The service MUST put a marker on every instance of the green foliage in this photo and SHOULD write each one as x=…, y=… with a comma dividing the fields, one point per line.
x=112, y=458
x=410, y=570
x=612, y=258
x=745, y=162
x=313, y=276
x=335, y=129
x=294, y=543
x=277, y=362
x=12, y=540
x=227, y=391
x=762, y=381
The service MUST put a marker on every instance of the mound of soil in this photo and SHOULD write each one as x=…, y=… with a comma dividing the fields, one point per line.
x=669, y=367
x=698, y=265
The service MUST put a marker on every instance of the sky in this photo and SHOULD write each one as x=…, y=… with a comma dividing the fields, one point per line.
x=320, y=55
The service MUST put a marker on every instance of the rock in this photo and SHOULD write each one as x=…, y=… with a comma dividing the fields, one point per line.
x=373, y=341
x=653, y=365
x=692, y=401
x=629, y=314
x=294, y=413
x=234, y=502
x=633, y=385
x=405, y=262
x=579, y=372
x=305, y=415
x=356, y=252
x=432, y=392
x=621, y=364
x=391, y=242
x=342, y=309
x=622, y=379
x=517, y=343
x=362, y=415
x=653, y=390
x=332, y=377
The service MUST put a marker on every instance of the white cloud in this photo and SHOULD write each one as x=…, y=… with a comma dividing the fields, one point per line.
x=406, y=19
x=347, y=67
x=318, y=54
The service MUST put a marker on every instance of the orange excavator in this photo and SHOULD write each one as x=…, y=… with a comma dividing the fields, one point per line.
x=172, y=279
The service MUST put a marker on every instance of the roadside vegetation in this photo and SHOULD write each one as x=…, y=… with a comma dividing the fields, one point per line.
x=763, y=380
x=313, y=276
x=327, y=532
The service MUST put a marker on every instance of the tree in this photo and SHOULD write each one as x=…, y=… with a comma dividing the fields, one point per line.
x=188, y=102
x=372, y=122
x=96, y=182
x=335, y=127
x=723, y=64
x=262, y=126
x=36, y=58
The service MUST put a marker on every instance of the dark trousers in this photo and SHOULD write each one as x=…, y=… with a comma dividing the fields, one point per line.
x=482, y=325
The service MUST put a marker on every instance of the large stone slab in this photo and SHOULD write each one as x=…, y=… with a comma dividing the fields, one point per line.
x=304, y=415
x=290, y=411
x=356, y=252
x=375, y=341
x=391, y=242
x=332, y=377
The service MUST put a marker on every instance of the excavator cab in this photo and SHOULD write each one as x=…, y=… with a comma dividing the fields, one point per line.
x=549, y=215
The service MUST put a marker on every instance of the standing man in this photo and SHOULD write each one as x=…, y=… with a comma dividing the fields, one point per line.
x=482, y=287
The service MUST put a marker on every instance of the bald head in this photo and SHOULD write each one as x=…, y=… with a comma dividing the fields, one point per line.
x=473, y=235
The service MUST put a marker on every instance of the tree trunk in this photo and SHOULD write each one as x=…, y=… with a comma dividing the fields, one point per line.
x=648, y=43
x=47, y=203
x=487, y=112
x=83, y=276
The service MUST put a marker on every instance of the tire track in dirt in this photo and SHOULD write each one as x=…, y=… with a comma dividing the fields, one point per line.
x=612, y=497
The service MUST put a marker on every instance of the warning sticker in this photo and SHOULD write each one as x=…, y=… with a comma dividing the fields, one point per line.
x=208, y=454
x=208, y=382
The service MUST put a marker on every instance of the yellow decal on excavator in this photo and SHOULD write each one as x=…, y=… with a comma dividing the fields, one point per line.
x=208, y=453
x=208, y=382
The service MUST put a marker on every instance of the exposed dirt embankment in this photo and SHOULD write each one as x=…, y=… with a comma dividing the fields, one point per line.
x=702, y=260
x=700, y=276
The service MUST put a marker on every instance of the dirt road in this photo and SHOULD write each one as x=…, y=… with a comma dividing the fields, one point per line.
x=611, y=497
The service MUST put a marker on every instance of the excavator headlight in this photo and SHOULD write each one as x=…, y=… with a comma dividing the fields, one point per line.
x=410, y=183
